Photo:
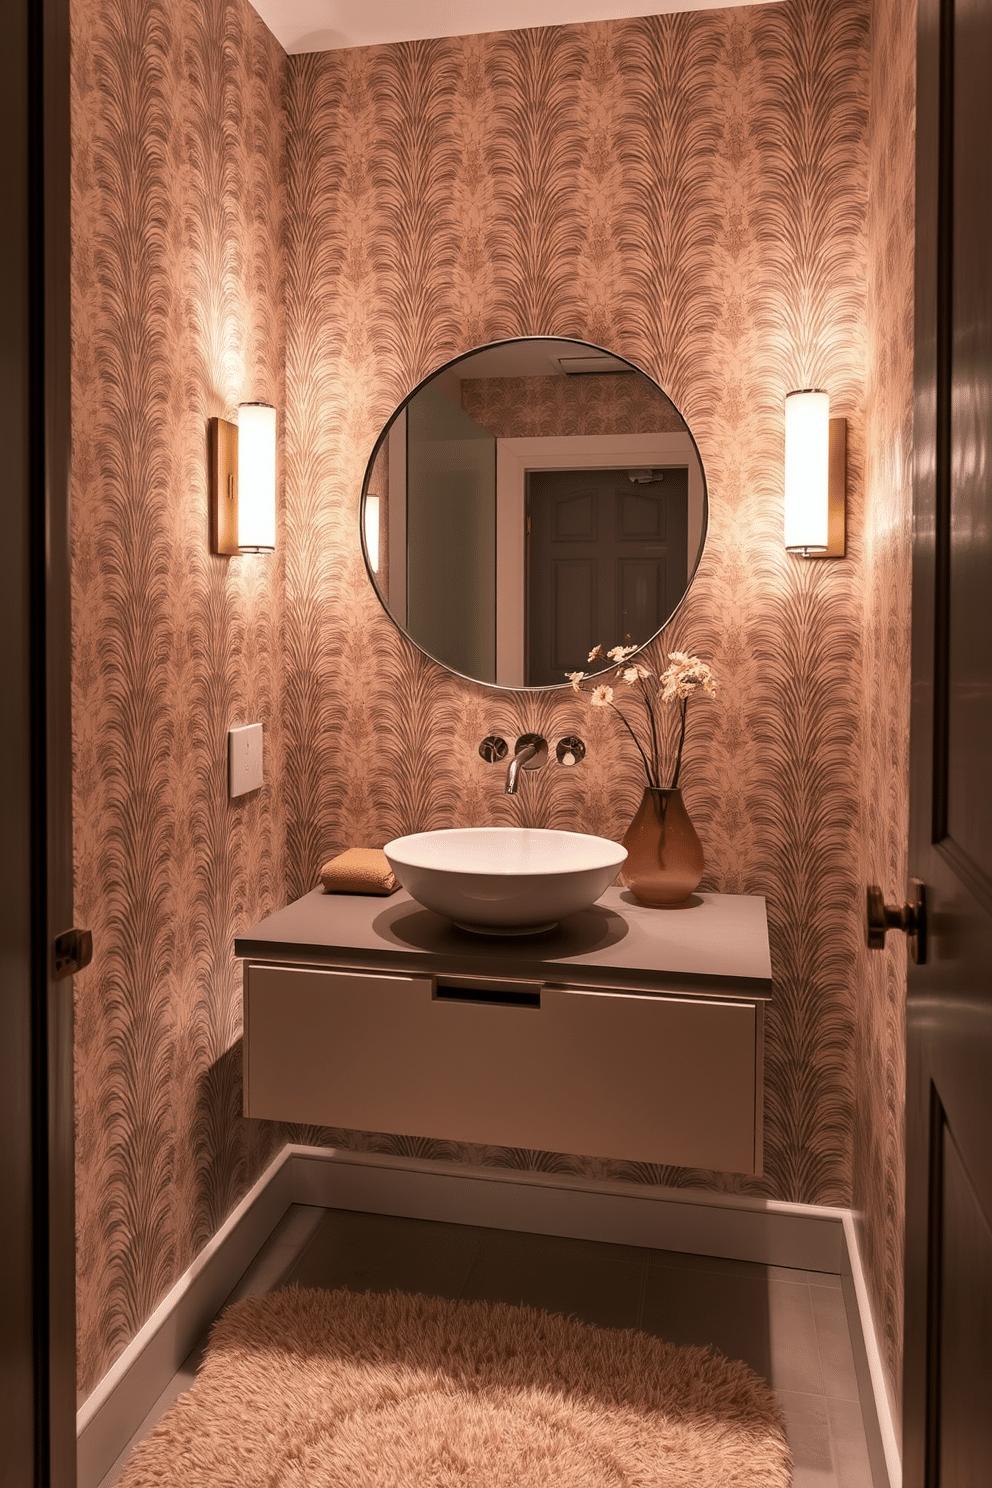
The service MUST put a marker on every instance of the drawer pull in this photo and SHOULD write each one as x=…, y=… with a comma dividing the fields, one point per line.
x=493, y=996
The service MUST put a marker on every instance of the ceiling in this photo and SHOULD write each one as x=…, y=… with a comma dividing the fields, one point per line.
x=327, y=25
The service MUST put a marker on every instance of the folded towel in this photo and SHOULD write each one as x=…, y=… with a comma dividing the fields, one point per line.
x=360, y=870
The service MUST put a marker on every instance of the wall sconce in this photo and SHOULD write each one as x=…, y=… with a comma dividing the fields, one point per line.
x=815, y=476
x=243, y=481
x=372, y=532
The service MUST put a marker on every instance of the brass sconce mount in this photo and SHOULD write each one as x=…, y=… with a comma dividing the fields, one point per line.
x=224, y=486
x=243, y=506
x=836, y=493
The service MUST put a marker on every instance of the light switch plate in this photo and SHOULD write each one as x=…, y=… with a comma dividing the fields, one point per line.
x=244, y=759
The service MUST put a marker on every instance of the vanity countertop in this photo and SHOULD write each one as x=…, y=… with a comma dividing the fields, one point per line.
x=717, y=944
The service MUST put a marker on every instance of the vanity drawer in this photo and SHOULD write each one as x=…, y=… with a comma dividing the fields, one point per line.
x=662, y=1079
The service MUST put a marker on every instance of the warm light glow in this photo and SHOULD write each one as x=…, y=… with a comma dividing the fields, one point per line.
x=807, y=470
x=372, y=532
x=256, y=477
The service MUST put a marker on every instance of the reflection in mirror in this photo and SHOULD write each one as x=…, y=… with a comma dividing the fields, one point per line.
x=532, y=500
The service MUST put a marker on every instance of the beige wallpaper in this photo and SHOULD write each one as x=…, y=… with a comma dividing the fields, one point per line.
x=881, y=977
x=689, y=190
x=177, y=315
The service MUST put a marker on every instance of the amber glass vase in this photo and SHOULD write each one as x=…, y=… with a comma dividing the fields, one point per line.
x=664, y=855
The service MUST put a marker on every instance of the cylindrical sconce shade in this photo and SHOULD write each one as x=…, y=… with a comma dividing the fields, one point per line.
x=807, y=470
x=372, y=532
x=256, y=477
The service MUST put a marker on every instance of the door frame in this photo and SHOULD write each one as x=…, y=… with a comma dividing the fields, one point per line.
x=928, y=435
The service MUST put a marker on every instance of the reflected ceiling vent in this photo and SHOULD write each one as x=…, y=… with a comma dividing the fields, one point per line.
x=583, y=366
x=645, y=477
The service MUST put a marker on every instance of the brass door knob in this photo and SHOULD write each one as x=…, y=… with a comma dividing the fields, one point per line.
x=910, y=917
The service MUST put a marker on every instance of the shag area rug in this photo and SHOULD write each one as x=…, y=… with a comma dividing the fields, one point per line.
x=316, y=1389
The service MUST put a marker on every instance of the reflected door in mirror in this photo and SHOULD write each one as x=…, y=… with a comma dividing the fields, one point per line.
x=606, y=562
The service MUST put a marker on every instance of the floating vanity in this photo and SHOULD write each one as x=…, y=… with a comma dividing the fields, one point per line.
x=627, y=1032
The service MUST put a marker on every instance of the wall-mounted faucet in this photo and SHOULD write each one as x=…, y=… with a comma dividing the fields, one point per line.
x=530, y=754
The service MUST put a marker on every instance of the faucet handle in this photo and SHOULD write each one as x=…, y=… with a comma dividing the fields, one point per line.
x=570, y=750
x=493, y=749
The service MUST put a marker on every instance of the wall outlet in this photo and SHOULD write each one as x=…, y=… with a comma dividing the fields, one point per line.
x=244, y=759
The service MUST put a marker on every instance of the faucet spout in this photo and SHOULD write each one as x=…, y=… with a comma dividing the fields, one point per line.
x=515, y=766
x=530, y=754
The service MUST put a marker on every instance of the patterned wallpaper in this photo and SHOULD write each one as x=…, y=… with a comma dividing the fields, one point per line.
x=689, y=190
x=177, y=315
x=649, y=185
x=532, y=407
x=881, y=977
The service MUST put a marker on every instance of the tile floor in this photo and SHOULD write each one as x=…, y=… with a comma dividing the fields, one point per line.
x=788, y=1325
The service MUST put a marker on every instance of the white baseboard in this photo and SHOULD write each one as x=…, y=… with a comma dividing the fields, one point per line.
x=109, y=1417
x=802, y=1236
x=884, y=1446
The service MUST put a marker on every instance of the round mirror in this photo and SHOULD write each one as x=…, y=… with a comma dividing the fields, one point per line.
x=529, y=501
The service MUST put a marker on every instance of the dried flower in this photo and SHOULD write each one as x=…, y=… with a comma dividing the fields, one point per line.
x=683, y=676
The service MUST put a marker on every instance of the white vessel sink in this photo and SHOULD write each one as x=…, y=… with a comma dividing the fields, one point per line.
x=504, y=880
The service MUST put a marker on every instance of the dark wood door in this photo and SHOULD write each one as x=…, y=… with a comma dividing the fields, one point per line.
x=606, y=558
x=37, y=1274
x=948, y=1358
